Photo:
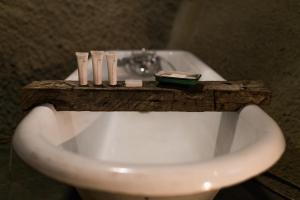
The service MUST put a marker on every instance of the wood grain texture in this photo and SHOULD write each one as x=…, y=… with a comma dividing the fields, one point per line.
x=205, y=96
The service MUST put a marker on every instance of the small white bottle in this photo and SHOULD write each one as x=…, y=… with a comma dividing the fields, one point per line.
x=112, y=59
x=97, y=58
x=82, y=61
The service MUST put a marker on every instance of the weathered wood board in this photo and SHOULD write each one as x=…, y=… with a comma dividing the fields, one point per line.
x=205, y=96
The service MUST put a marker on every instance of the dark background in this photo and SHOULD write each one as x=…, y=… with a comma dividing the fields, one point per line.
x=248, y=39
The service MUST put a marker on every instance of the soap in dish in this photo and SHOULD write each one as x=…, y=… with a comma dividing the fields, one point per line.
x=177, y=77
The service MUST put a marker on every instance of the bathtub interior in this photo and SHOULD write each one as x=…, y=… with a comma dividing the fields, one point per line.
x=158, y=137
x=153, y=137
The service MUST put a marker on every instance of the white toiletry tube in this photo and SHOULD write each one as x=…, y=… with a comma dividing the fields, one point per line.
x=112, y=60
x=82, y=61
x=97, y=58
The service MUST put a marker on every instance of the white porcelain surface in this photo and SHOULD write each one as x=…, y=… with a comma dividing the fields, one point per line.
x=150, y=153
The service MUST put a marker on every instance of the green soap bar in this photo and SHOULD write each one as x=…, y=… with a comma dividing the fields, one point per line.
x=176, y=77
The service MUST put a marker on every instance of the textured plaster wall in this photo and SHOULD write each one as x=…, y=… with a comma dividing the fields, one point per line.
x=252, y=39
x=248, y=39
x=38, y=38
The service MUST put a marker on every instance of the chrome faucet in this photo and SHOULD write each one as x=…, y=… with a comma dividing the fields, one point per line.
x=144, y=62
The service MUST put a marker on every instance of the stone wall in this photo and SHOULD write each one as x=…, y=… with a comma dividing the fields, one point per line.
x=249, y=39
x=252, y=39
x=38, y=39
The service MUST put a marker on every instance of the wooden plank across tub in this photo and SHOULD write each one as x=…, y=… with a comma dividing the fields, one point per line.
x=205, y=96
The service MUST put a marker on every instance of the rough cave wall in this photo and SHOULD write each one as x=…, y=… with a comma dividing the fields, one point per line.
x=240, y=39
x=38, y=39
x=252, y=39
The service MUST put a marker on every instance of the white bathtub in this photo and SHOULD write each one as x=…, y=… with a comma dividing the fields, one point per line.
x=153, y=155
